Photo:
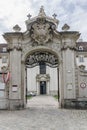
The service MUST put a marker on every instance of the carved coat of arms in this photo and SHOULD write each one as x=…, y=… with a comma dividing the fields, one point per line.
x=41, y=33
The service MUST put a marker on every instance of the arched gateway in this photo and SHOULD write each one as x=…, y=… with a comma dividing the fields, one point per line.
x=38, y=66
x=42, y=45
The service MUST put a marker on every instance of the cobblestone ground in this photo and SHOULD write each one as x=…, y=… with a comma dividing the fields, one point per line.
x=43, y=118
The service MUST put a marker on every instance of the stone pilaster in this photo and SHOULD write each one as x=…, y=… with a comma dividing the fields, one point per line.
x=69, y=62
x=14, y=44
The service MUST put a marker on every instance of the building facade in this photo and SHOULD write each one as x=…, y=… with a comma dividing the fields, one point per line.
x=43, y=60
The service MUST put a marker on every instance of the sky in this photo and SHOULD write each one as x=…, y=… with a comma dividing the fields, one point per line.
x=71, y=12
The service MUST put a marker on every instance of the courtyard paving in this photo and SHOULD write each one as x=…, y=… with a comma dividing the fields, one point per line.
x=41, y=116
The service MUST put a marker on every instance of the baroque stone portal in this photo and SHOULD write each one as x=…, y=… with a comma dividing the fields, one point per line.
x=42, y=42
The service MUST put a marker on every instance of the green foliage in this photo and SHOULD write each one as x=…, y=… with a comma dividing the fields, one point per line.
x=28, y=96
x=56, y=96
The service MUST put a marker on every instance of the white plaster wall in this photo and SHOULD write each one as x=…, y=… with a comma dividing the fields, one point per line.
x=31, y=78
x=53, y=78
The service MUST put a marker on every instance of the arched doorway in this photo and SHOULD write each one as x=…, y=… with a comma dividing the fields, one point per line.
x=42, y=72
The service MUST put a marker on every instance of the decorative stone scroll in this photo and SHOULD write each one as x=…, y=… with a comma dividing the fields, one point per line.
x=37, y=57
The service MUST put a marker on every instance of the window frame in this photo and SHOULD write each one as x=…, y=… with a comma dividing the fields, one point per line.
x=42, y=68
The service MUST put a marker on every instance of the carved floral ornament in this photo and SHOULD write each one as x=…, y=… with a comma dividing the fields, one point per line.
x=37, y=57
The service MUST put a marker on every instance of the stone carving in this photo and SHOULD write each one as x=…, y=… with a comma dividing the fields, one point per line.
x=16, y=28
x=41, y=27
x=39, y=77
x=41, y=32
x=41, y=12
x=14, y=46
x=69, y=39
x=37, y=57
x=65, y=27
x=54, y=16
x=29, y=16
x=4, y=69
x=68, y=44
x=82, y=67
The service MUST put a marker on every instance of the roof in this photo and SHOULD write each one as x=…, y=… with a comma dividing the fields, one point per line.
x=81, y=46
x=3, y=45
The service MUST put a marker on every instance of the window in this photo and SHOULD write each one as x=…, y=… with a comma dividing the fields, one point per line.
x=4, y=59
x=4, y=49
x=81, y=48
x=81, y=58
x=42, y=68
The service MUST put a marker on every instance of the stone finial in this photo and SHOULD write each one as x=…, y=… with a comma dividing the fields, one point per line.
x=16, y=28
x=54, y=16
x=41, y=12
x=29, y=16
x=65, y=27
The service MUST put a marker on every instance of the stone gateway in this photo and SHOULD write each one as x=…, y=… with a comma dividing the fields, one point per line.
x=42, y=60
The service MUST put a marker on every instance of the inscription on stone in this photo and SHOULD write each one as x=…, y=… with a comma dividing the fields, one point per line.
x=14, y=88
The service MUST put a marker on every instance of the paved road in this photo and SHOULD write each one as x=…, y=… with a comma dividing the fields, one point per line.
x=42, y=102
x=43, y=118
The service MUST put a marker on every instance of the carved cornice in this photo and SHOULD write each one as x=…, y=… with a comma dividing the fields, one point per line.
x=70, y=35
x=69, y=39
x=68, y=47
x=13, y=35
x=11, y=48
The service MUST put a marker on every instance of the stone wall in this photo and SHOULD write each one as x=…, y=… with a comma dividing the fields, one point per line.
x=81, y=98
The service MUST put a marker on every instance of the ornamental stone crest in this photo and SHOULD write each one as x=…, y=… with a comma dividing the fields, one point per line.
x=41, y=27
x=41, y=32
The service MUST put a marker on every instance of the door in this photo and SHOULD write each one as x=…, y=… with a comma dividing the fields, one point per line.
x=43, y=87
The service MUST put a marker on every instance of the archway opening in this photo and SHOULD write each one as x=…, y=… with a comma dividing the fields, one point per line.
x=42, y=74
